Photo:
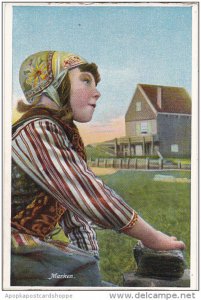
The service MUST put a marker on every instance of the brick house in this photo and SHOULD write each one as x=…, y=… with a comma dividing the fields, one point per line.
x=158, y=121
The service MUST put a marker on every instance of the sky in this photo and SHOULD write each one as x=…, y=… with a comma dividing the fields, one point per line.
x=130, y=45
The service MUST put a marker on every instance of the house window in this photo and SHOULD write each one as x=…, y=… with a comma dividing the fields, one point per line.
x=138, y=106
x=144, y=127
x=174, y=148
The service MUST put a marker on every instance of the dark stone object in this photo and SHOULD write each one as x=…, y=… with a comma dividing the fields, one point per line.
x=159, y=264
x=134, y=280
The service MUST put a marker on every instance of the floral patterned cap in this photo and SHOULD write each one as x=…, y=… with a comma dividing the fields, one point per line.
x=44, y=71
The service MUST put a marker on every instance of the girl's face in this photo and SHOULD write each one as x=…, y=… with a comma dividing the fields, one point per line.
x=83, y=95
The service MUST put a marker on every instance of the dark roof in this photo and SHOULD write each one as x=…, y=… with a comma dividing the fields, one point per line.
x=173, y=100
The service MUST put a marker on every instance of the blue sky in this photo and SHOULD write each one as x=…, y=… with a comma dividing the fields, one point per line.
x=130, y=44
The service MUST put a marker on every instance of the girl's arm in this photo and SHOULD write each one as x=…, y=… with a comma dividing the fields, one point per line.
x=152, y=238
x=43, y=151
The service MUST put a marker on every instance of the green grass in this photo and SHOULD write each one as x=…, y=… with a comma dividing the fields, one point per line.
x=165, y=205
x=98, y=151
x=184, y=161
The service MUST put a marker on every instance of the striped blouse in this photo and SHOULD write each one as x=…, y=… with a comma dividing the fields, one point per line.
x=42, y=149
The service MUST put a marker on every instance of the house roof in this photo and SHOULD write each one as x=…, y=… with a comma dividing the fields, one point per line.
x=173, y=99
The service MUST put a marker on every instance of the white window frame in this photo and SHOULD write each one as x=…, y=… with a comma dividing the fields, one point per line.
x=144, y=127
x=175, y=148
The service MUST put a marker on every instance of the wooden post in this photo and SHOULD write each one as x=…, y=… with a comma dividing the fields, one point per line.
x=143, y=146
x=147, y=163
x=160, y=163
x=179, y=165
x=97, y=162
x=115, y=148
x=128, y=163
x=124, y=148
x=121, y=163
x=129, y=147
x=152, y=146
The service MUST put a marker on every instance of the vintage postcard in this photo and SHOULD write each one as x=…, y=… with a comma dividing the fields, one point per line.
x=100, y=149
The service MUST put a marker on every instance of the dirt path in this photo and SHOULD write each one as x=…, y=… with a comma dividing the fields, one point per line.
x=103, y=171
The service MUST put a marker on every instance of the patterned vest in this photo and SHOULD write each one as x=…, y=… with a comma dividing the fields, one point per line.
x=34, y=211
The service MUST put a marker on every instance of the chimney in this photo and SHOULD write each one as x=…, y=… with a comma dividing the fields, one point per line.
x=159, y=97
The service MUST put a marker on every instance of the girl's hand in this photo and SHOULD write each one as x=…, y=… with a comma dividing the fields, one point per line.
x=153, y=239
x=163, y=242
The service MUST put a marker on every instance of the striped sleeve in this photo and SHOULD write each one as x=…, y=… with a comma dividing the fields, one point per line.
x=42, y=150
x=80, y=232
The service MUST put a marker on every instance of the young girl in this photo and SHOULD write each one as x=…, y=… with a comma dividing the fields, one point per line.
x=51, y=182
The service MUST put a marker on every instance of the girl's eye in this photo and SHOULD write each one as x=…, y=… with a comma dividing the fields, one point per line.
x=87, y=81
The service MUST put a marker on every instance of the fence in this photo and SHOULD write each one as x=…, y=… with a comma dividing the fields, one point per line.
x=137, y=163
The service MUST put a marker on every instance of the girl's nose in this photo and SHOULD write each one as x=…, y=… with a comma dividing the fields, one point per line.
x=97, y=94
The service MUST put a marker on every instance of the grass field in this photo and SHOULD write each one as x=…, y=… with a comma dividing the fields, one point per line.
x=101, y=151
x=165, y=205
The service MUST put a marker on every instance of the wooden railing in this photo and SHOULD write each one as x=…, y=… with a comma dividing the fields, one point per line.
x=136, y=163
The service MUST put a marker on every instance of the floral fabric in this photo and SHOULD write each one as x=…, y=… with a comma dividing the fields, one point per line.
x=44, y=71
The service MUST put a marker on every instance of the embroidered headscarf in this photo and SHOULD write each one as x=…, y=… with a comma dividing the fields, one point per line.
x=44, y=71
